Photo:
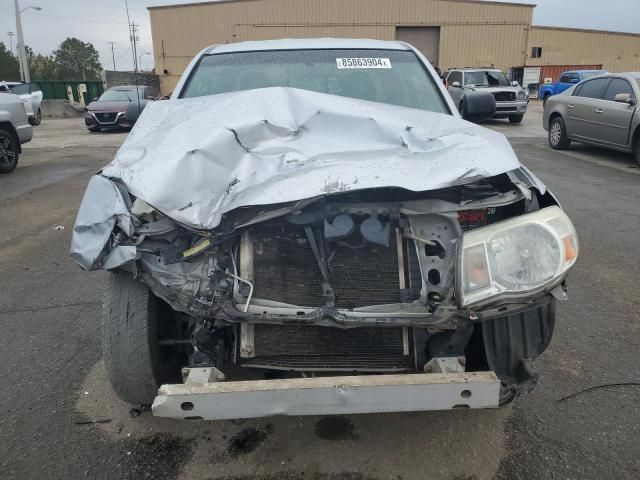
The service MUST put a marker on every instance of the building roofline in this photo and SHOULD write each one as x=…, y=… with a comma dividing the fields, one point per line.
x=218, y=2
x=584, y=30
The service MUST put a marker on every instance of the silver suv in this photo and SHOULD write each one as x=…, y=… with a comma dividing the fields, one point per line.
x=14, y=130
x=511, y=98
x=30, y=94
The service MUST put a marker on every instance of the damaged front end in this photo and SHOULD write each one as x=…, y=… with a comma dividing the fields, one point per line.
x=459, y=282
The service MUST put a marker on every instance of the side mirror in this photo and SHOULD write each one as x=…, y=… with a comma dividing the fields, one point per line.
x=455, y=84
x=625, y=98
x=515, y=84
x=478, y=106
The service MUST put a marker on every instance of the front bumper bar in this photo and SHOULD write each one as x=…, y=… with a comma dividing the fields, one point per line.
x=518, y=107
x=327, y=396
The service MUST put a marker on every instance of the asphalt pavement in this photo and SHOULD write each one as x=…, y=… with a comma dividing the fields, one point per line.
x=60, y=419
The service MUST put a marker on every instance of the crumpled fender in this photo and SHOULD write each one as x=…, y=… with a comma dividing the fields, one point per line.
x=105, y=204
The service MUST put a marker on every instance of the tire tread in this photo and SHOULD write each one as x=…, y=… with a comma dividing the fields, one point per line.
x=128, y=333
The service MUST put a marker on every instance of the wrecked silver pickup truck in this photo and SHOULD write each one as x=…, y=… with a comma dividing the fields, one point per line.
x=309, y=227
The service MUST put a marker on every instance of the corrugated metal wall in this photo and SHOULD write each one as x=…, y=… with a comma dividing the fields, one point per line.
x=501, y=46
x=615, y=52
x=472, y=33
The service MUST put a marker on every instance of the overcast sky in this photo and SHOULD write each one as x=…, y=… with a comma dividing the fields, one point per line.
x=103, y=21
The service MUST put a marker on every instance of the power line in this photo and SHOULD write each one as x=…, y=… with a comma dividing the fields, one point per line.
x=123, y=53
x=84, y=19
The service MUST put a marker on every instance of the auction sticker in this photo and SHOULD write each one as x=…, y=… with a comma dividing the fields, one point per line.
x=343, y=63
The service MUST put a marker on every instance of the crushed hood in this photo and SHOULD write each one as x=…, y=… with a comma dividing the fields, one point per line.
x=196, y=159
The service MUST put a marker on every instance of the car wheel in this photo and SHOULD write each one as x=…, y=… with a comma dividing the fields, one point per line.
x=36, y=119
x=8, y=151
x=93, y=129
x=133, y=323
x=516, y=118
x=558, y=134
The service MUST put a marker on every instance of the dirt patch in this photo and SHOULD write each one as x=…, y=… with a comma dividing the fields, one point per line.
x=335, y=429
x=160, y=456
x=247, y=440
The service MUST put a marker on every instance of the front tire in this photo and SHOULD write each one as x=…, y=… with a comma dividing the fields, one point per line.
x=558, y=139
x=133, y=322
x=8, y=151
x=516, y=118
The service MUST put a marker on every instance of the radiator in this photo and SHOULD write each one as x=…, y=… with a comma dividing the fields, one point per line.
x=316, y=348
x=286, y=270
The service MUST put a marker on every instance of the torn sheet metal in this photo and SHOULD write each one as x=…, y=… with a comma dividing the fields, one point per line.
x=103, y=206
x=196, y=159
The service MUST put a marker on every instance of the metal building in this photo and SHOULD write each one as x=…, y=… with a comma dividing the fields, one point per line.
x=449, y=32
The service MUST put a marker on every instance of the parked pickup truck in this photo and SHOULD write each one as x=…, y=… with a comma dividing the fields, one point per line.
x=308, y=227
x=567, y=80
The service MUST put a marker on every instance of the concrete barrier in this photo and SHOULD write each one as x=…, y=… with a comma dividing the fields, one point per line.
x=60, y=109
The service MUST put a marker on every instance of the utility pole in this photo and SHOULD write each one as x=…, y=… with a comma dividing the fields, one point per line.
x=11, y=35
x=113, y=55
x=22, y=54
x=134, y=39
x=140, y=59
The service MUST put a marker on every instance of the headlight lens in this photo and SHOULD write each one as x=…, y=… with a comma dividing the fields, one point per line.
x=516, y=256
x=521, y=95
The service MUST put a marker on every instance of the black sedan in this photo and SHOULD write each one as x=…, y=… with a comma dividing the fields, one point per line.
x=118, y=107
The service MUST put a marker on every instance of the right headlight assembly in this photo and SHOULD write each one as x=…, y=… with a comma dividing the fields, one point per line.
x=516, y=257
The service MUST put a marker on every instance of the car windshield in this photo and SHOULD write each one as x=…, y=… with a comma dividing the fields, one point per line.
x=488, y=78
x=19, y=89
x=117, y=96
x=387, y=76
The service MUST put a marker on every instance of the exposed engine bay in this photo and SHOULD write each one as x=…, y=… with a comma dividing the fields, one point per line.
x=358, y=282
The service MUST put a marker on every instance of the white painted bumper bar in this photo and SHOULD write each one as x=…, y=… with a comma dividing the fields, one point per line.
x=328, y=395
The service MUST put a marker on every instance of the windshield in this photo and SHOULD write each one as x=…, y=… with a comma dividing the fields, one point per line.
x=488, y=78
x=117, y=96
x=387, y=76
x=19, y=89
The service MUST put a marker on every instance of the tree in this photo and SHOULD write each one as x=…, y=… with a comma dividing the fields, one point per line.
x=77, y=60
x=42, y=67
x=9, y=67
